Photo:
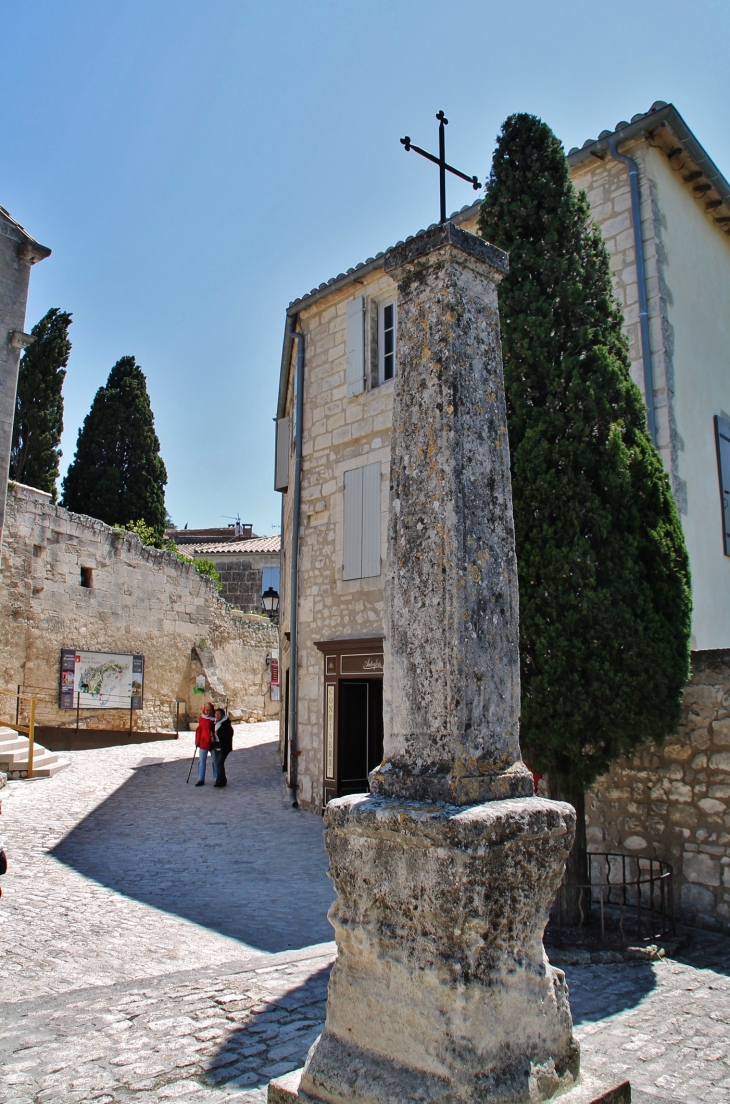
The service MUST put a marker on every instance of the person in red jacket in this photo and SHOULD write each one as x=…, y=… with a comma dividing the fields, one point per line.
x=203, y=740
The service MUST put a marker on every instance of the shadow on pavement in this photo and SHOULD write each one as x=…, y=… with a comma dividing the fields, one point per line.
x=238, y=860
x=275, y=1040
x=600, y=991
x=705, y=950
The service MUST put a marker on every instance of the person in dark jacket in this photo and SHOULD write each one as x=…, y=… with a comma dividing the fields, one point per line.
x=224, y=739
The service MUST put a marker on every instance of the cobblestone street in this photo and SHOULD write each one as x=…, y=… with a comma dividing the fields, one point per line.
x=162, y=942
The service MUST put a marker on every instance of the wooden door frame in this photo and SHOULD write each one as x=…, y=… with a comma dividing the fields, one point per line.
x=340, y=661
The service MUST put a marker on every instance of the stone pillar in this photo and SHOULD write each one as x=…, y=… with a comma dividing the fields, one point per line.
x=445, y=872
x=452, y=668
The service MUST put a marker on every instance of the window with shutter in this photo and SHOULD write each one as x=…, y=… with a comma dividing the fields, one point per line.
x=281, y=473
x=361, y=545
x=356, y=345
x=722, y=440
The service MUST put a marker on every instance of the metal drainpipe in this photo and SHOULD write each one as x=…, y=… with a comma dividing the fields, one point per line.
x=641, y=281
x=294, y=588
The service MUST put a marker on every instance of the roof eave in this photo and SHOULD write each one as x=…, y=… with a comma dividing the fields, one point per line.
x=667, y=114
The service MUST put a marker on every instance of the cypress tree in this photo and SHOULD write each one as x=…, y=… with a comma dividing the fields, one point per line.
x=117, y=474
x=38, y=424
x=604, y=584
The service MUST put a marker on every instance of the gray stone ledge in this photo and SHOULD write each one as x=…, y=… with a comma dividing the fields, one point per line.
x=440, y=237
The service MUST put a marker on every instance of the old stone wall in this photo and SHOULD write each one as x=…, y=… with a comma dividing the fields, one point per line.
x=673, y=802
x=140, y=600
x=241, y=579
x=14, y=277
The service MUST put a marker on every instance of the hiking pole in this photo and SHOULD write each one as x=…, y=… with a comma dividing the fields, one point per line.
x=191, y=766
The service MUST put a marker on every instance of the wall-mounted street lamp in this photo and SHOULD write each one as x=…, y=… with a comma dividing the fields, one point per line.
x=270, y=603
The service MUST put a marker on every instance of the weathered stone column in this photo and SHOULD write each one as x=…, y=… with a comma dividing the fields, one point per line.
x=446, y=871
x=452, y=668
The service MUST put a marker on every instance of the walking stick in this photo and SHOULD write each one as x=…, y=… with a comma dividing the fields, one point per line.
x=191, y=766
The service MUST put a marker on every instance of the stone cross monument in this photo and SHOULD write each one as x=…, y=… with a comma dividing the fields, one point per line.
x=445, y=872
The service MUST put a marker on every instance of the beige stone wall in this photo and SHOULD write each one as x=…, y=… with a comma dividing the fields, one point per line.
x=142, y=601
x=673, y=802
x=339, y=433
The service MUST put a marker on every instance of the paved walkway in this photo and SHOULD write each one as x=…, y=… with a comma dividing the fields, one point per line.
x=162, y=942
x=123, y=871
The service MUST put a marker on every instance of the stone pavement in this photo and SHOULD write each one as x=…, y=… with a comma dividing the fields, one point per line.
x=124, y=871
x=136, y=969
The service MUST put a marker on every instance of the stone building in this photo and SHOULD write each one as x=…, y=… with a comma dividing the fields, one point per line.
x=71, y=582
x=247, y=567
x=18, y=252
x=664, y=209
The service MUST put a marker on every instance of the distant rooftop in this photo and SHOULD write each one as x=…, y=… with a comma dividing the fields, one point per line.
x=225, y=533
x=238, y=547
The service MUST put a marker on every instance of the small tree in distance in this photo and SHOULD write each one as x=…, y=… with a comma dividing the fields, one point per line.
x=117, y=474
x=38, y=423
x=604, y=583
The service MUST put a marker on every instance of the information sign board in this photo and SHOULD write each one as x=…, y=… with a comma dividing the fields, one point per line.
x=101, y=680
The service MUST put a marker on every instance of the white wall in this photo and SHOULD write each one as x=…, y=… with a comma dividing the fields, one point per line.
x=697, y=274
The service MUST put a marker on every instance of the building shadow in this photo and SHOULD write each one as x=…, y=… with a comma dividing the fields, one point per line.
x=600, y=991
x=274, y=1041
x=238, y=860
x=705, y=950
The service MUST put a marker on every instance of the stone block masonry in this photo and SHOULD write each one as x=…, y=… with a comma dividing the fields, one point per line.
x=18, y=251
x=673, y=802
x=134, y=599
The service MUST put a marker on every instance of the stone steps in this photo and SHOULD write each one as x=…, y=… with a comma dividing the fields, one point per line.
x=14, y=756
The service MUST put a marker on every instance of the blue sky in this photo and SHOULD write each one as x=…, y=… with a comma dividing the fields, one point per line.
x=197, y=164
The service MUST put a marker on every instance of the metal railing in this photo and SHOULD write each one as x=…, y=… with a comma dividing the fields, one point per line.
x=630, y=889
x=49, y=714
x=26, y=730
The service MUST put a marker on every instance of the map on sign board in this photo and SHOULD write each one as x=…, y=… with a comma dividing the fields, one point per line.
x=101, y=680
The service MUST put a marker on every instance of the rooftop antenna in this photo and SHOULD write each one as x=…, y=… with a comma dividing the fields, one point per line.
x=442, y=163
x=237, y=523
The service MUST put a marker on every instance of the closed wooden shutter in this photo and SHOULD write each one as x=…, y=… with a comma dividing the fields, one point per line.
x=361, y=543
x=356, y=345
x=722, y=438
x=352, y=542
x=370, y=521
x=281, y=474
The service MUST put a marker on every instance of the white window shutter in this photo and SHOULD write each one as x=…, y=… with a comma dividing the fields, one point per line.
x=722, y=437
x=356, y=345
x=352, y=543
x=281, y=472
x=370, y=521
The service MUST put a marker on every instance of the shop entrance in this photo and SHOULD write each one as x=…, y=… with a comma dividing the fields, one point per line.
x=359, y=733
x=352, y=738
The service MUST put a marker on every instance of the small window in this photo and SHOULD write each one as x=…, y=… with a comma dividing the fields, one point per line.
x=387, y=326
x=87, y=577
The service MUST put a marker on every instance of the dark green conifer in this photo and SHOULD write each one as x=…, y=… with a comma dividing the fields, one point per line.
x=38, y=421
x=117, y=474
x=604, y=583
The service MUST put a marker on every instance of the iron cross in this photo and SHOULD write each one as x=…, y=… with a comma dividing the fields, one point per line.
x=441, y=162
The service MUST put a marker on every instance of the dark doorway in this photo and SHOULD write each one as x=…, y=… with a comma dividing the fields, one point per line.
x=359, y=733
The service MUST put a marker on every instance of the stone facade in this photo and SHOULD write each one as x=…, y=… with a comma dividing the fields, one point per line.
x=673, y=802
x=140, y=600
x=18, y=251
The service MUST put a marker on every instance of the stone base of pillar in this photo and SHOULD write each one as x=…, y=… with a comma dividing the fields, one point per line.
x=442, y=990
x=588, y=1090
